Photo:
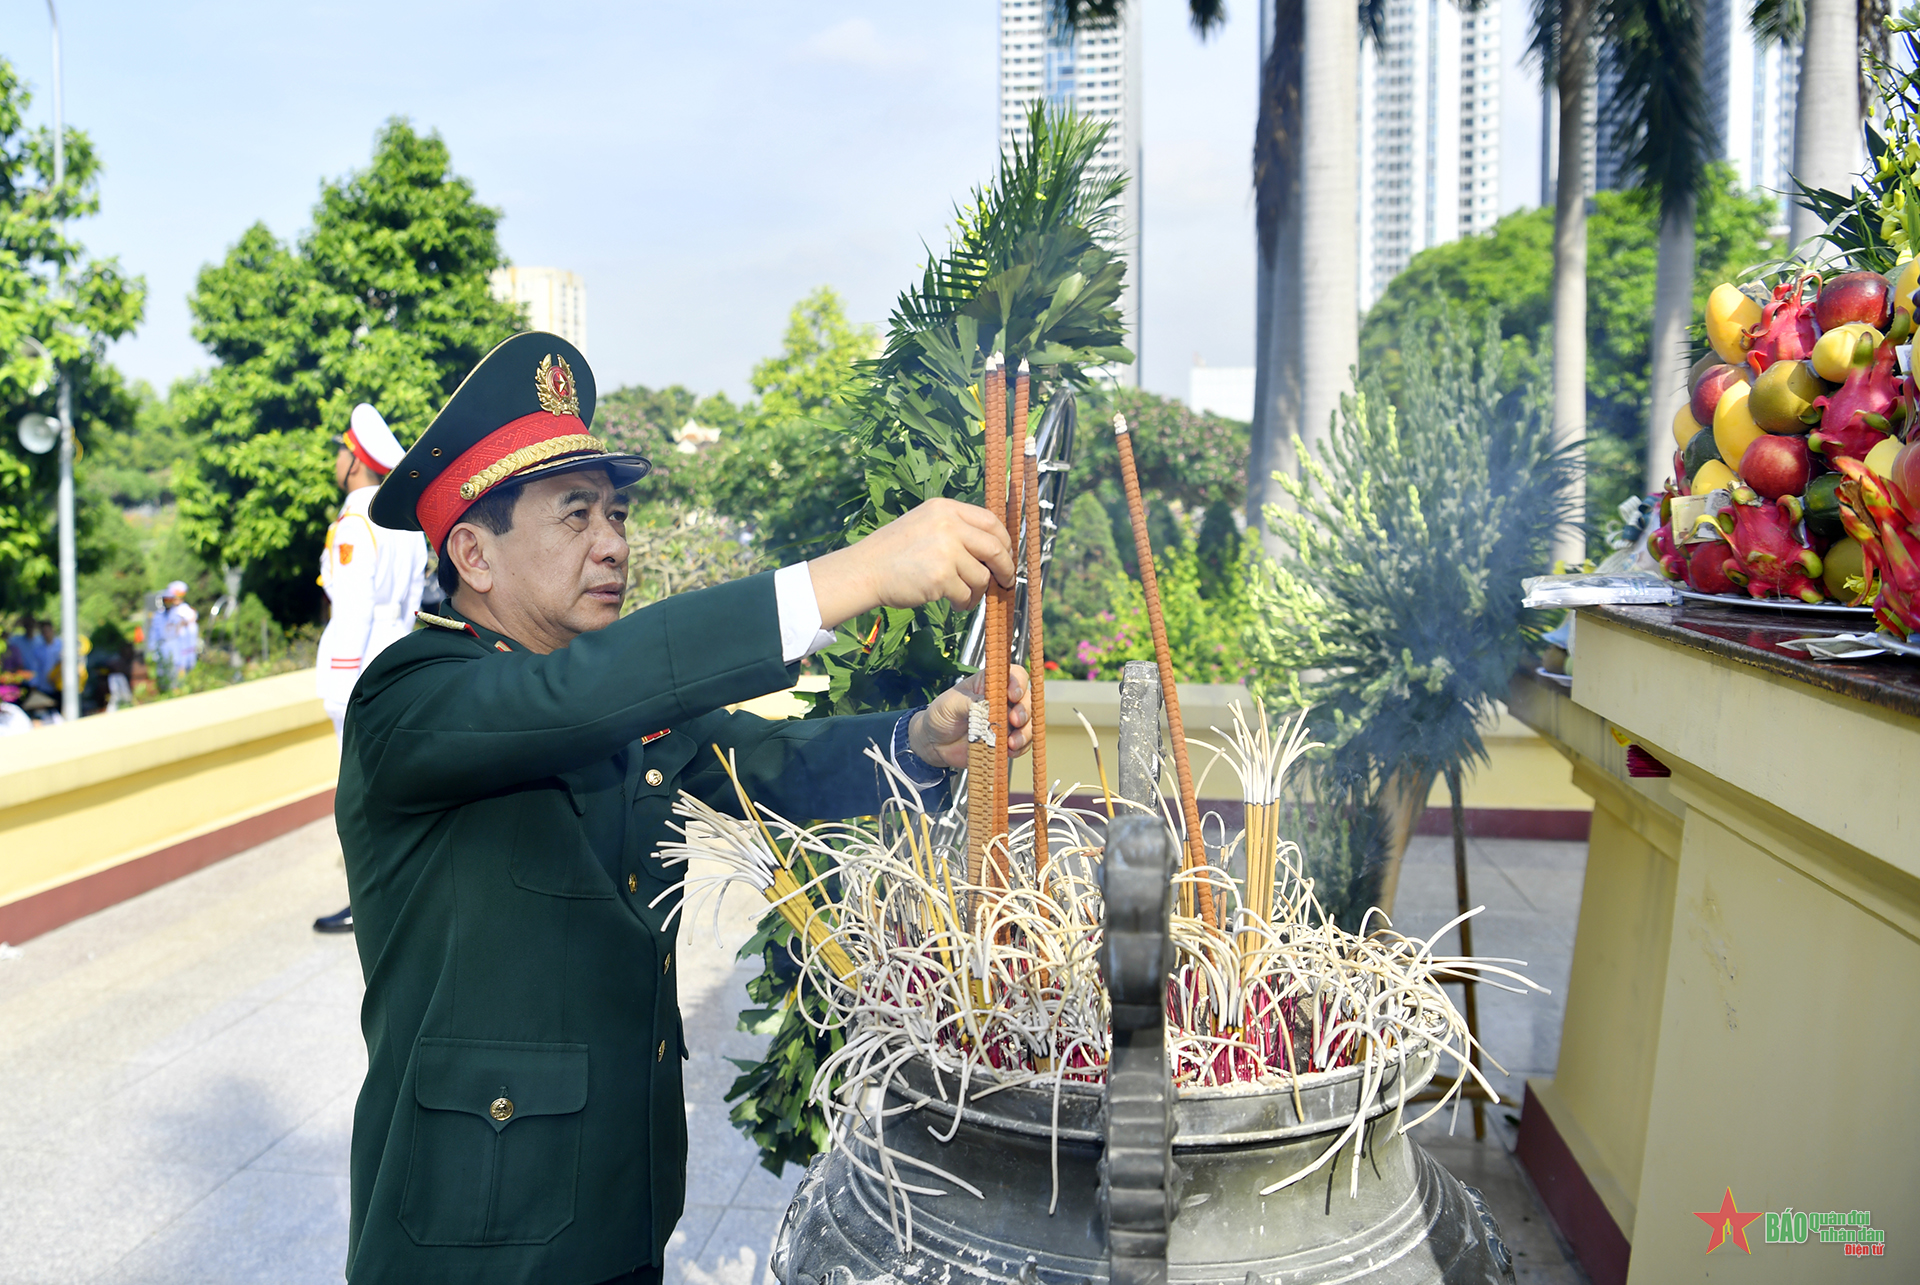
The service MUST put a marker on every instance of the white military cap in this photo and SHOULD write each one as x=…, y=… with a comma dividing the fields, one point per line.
x=369, y=438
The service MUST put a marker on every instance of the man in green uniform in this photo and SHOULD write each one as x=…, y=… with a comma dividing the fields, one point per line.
x=507, y=776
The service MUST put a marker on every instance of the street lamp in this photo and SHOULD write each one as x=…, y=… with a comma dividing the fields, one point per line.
x=69, y=598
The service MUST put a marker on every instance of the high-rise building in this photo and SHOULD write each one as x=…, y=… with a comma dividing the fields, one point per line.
x=1429, y=134
x=555, y=299
x=1096, y=72
x=1752, y=84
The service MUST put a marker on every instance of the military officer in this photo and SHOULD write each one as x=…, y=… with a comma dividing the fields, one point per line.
x=372, y=574
x=508, y=774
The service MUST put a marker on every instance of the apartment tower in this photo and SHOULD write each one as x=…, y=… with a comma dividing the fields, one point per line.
x=1096, y=72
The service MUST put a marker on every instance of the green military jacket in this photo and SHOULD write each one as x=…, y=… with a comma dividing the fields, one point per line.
x=522, y=1117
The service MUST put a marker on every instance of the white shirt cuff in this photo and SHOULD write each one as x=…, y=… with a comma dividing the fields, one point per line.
x=800, y=632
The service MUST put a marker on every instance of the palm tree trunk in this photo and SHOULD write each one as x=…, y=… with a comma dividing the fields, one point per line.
x=1329, y=211
x=1276, y=382
x=1667, y=366
x=1827, y=146
x=1277, y=299
x=1398, y=806
x=1570, y=262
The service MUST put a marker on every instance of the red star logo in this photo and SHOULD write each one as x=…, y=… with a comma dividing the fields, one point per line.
x=1727, y=1223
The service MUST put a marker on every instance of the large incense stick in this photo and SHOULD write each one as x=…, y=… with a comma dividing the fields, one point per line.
x=1183, y=771
x=1016, y=507
x=1036, y=653
x=999, y=599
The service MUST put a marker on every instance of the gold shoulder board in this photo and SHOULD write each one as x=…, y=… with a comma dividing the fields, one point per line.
x=441, y=622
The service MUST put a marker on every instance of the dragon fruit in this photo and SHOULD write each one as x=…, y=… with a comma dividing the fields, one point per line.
x=1770, y=555
x=1707, y=564
x=1660, y=542
x=1857, y=416
x=1887, y=525
x=1786, y=330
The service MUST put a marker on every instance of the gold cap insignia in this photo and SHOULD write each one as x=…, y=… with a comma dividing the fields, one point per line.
x=558, y=393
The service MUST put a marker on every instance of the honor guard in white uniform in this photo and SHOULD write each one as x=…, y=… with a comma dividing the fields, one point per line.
x=374, y=576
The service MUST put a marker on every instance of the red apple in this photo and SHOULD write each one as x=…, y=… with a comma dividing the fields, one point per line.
x=1906, y=470
x=1777, y=465
x=1705, y=567
x=1854, y=296
x=1706, y=392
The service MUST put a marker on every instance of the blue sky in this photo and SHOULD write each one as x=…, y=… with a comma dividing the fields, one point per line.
x=702, y=166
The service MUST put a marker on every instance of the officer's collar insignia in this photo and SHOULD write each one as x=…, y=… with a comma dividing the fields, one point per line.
x=442, y=622
x=501, y=646
x=651, y=737
x=553, y=380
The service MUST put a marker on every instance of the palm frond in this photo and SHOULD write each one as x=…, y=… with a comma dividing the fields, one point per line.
x=1663, y=121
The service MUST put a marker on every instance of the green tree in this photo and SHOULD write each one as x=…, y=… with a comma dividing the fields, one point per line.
x=1031, y=273
x=783, y=467
x=385, y=300
x=1509, y=270
x=1079, y=585
x=796, y=467
x=51, y=290
x=1393, y=604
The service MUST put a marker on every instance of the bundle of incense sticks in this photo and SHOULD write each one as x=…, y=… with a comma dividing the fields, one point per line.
x=1196, y=851
x=786, y=893
x=1036, y=647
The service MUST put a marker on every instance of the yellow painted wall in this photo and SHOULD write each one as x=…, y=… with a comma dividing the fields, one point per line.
x=82, y=797
x=1600, y=1092
x=1787, y=1053
x=1748, y=957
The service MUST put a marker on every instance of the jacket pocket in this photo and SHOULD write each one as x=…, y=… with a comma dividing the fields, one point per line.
x=496, y=1141
x=549, y=852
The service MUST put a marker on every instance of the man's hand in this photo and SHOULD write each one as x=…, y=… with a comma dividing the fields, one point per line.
x=942, y=549
x=938, y=733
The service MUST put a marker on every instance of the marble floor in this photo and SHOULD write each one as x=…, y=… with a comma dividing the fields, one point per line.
x=180, y=1071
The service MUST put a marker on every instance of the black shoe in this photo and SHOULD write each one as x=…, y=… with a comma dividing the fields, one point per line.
x=340, y=923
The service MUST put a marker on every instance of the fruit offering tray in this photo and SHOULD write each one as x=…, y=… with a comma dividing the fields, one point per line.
x=1753, y=638
x=1794, y=606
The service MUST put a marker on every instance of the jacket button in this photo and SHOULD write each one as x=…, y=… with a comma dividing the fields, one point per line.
x=661, y=1056
x=501, y=1110
x=633, y=882
x=667, y=967
x=654, y=776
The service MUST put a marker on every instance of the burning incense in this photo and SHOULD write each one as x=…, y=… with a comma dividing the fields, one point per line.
x=1196, y=855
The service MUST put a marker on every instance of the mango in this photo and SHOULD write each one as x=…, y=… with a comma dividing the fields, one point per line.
x=1844, y=560
x=1782, y=395
x=1833, y=353
x=1685, y=426
x=1730, y=313
x=1713, y=476
x=1733, y=426
x=1906, y=279
x=1880, y=459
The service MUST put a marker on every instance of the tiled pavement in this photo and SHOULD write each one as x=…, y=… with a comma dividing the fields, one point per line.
x=179, y=1074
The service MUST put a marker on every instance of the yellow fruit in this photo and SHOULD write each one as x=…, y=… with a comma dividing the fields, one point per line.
x=1729, y=314
x=1685, y=426
x=1733, y=427
x=1904, y=284
x=1843, y=561
x=1879, y=460
x=1712, y=476
x=1833, y=351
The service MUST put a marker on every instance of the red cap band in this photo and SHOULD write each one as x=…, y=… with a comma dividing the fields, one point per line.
x=359, y=453
x=442, y=503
